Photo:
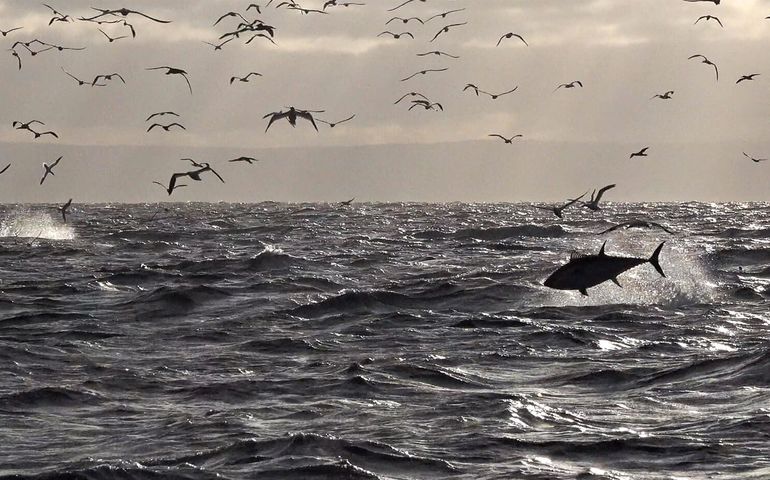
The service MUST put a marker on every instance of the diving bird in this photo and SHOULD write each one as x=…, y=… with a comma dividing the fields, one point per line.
x=346, y=203
x=111, y=39
x=510, y=35
x=664, y=96
x=248, y=160
x=636, y=224
x=160, y=114
x=333, y=124
x=755, y=160
x=166, y=127
x=291, y=115
x=640, y=153
x=49, y=169
x=747, y=77
x=707, y=62
x=244, y=79
x=709, y=17
x=423, y=72
x=6, y=32
x=559, y=209
x=593, y=204
x=506, y=140
x=63, y=209
x=572, y=84
x=174, y=71
x=586, y=271
x=446, y=28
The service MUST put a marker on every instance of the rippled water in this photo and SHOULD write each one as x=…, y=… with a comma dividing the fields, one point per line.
x=392, y=341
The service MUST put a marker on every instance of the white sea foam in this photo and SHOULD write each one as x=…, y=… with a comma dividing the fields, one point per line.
x=35, y=224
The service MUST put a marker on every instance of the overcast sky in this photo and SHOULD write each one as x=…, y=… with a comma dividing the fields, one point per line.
x=623, y=52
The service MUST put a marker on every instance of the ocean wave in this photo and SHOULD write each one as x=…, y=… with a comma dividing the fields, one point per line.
x=169, y=301
x=49, y=397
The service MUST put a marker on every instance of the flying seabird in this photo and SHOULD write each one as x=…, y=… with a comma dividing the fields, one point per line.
x=159, y=114
x=395, y=35
x=640, y=153
x=715, y=2
x=193, y=162
x=755, y=160
x=218, y=47
x=16, y=54
x=107, y=77
x=664, y=96
x=333, y=124
x=706, y=61
x=111, y=39
x=346, y=203
x=495, y=95
x=593, y=204
x=446, y=29
x=410, y=94
x=401, y=5
x=472, y=87
x=291, y=115
x=444, y=14
x=747, y=77
x=6, y=32
x=166, y=127
x=426, y=105
x=121, y=11
x=570, y=85
x=636, y=224
x=231, y=14
x=509, y=35
x=195, y=175
x=174, y=71
x=507, y=140
x=403, y=20
x=559, y=209
x=164, y=187
x=248, y=160
x=80, y=82
x=709, y=17
x=244, y=79
x=423, y=72
x=438, y=53
x=49, y=169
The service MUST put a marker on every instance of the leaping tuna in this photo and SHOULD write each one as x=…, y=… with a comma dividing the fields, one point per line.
x=583, y=272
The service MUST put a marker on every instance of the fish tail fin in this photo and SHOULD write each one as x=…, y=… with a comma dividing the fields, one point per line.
x=654, y=259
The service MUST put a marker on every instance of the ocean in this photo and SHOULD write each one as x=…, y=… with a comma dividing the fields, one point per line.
x=381, y=341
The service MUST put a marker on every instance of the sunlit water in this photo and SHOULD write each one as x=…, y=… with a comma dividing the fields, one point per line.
x=381, y=341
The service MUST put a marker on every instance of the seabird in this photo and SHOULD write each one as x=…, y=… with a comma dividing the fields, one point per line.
x=166, y=127
x=507, y=140
x=559, y=209
x=755, y=160
x=347, y=203
x=291, y=115
x=231, y=14
x=333, y=124
x=715, y=2
x=107, y=77
x=244, y=79
x=63, y=210
x=706, y=61
x=174, y=71
x=401, y=5
x=248, y=160
x=195, y=175
x=640, y=153
x=410, y=94
x=438, y=53
x=6, y=32
x=395, y=35
x=176, y=185
x=593, y=204
x=636, y=224
x=49, y=169
x=709, y=17
x=423, y=72
x=446, y=29
x=121, y=11
x=495, y=95
x=747, y=77
x=472, y=87
x=570, y=85
x=509, y=35
x=193, y=162
x=665, y=96
x=80, y=82
x=159, y=114
x=426, y=105
x=403, y=20
x=218, y=47
x=111, y=39
x=444, y=14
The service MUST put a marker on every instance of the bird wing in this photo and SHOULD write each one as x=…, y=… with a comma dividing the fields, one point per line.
x=177, y=124
x=497, y=135
x=188, y=82
x=602, y=190
x=341, y=121
x=147, y=16
x=501, y=39
x=215, y=173
x=56, y=162
x=6, y=168
x=719, y=22
x=274, y=117
x=401, y=5
x=520, y=38
x=307, y=116
x=154, y=125
x=119, y=76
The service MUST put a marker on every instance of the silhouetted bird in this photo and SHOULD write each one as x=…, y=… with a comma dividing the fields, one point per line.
x=507, y=140
x=572, y=84
x=494, y=96
x=333, y=124
x=747, y=77
x=195, y=175
x=248, y=160
x=509, y=35
x=423, y=72
x=640, y=153
x=707, y=18
x=558, y=210
x=664, y=96
x=63, y=210
x=219, y=47
x=636, y=224
x=121, y=11
x=707, y=62
x=291, y=115
x=438, y=53
x=111, y=39
x=244, y=79
x=107, y=77
x=755, y=160
x=403, y=20
x=174, y=71
x=4, y=169
x=410, y=94
x=231, y=14
x=166, y=127
x=593, y=204
x=395, y=35
x=49, y=169
x=446, y=29
x=6, y=32
x=160, y=114
x=444, y=14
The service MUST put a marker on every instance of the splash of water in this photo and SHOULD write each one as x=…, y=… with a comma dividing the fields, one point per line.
x=32, y=224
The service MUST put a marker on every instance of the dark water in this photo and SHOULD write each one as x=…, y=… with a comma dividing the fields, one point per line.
x=380, y=341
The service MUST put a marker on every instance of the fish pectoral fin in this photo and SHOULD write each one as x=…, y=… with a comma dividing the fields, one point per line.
x=583, y=292
x=615, y=281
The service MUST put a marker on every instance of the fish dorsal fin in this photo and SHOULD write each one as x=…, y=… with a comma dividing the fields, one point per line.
x=601, y=252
